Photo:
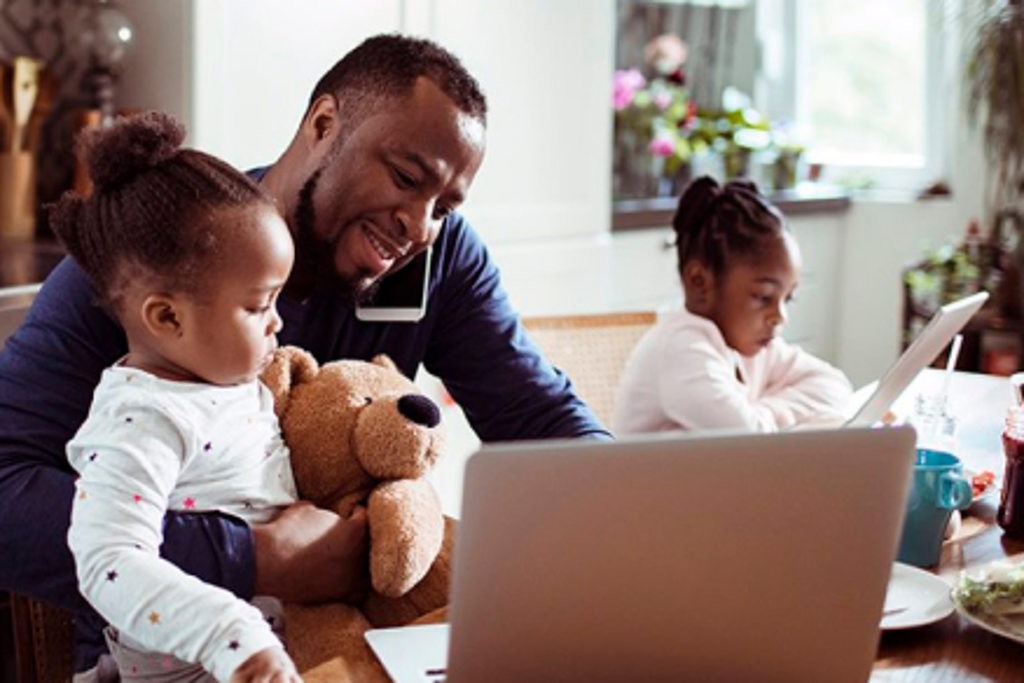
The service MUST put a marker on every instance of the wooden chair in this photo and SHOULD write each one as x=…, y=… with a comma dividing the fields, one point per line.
x=43, y=641
x=592, y=350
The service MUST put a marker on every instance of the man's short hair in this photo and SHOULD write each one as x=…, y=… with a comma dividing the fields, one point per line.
x=387, y=66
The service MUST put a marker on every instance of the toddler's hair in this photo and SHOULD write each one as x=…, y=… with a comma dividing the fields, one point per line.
x=715, y=223
x=151, y=212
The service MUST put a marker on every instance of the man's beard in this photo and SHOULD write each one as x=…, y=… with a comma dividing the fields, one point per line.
x=317, y=253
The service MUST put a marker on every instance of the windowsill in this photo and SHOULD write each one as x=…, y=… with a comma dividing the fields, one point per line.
x=806, y=198
x=890, y=196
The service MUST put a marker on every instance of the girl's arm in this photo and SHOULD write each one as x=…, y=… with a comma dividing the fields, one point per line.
x=129, y=460
x=698, y=387
x=801, y=388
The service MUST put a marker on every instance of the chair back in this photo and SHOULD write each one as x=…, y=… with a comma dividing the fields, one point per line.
x=43, y=641
x=592, y=350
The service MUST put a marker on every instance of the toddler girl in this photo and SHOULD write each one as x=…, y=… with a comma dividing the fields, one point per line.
x=718, y=362
x=189, y=256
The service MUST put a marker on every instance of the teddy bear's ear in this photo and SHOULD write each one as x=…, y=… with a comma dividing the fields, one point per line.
x=384, y=361
x=290, y=366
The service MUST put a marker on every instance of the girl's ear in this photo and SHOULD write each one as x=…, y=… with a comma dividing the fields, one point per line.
x=698, y=284
x=161, y=317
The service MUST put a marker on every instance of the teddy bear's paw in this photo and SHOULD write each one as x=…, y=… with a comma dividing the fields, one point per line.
x=406, y=531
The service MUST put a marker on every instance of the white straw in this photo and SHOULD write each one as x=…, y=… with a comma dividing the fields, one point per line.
x=954, y=351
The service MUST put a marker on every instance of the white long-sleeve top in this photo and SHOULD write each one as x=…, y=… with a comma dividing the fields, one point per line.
x=147, y=446
x=682, y=375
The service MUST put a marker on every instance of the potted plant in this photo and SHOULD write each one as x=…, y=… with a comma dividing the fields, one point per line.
x=995, y=90
x=994, y=98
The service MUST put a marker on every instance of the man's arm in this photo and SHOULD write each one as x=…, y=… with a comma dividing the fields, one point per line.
x=48, y=370
x=487, y=362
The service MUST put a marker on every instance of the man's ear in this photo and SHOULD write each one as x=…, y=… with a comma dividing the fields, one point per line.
x=698, y=282
x=161, y=316
x=321, y=121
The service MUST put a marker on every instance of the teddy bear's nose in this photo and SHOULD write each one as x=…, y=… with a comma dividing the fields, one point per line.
x=419, y=409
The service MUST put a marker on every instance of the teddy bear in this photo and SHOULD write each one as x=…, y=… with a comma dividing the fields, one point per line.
x=361, y=433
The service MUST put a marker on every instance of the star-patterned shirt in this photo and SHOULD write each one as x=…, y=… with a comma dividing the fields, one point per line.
x=150, y=445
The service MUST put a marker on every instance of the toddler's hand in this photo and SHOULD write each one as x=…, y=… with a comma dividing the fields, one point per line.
x=270, y=665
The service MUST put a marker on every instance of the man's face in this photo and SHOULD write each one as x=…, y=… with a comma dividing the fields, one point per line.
x=383, y=189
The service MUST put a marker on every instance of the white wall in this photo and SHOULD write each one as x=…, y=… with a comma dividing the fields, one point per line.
x=255, y=64
x=157, y=71
x=239, y=74
x=546, y=66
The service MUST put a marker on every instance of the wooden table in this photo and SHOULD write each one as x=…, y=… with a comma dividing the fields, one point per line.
x=954, y=649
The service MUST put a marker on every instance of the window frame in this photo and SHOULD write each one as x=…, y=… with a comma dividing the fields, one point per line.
x=780, y=84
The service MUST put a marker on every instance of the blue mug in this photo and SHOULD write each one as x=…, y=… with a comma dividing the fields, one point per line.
x=937, y=487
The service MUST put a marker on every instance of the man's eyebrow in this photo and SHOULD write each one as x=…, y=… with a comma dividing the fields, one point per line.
x=769, y=280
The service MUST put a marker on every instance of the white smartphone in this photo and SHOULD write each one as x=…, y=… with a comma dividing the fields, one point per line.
x=402, y=295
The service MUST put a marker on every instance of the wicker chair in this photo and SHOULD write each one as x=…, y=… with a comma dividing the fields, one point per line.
x=592, y=350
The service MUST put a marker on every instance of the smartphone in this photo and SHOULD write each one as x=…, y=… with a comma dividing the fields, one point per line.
x=402, y=295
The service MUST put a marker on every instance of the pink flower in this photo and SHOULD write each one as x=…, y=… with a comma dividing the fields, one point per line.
x=663, y=99
x=662, y=147
x=626, y=85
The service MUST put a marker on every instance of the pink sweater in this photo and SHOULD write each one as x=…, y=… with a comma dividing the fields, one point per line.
x=682, y=375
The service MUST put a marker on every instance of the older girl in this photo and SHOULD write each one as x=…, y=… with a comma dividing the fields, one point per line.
x=719, y=361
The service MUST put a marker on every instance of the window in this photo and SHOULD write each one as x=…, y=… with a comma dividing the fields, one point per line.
x=862, y=84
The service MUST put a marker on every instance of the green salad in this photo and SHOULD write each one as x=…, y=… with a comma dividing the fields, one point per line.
x=995, y=589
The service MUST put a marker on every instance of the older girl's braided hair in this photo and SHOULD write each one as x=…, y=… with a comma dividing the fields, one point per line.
x=151, y=211
x=715, y=223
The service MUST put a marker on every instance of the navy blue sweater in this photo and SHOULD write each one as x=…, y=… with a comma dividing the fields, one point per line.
x=469, y=337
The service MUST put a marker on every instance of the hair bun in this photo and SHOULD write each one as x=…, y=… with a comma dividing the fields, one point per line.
x=128, y=147
x=695, y=204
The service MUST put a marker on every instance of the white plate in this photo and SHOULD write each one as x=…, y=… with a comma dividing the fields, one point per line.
x=915, y=598
x=1008, y=625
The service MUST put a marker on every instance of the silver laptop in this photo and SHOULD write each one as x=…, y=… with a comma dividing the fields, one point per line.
x=925, y=348
x=669, y=557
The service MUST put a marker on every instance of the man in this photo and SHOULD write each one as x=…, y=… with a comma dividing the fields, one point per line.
x=386, y=151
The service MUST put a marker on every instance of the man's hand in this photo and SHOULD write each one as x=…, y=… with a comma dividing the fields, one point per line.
x=310, y=555
x=271, y=665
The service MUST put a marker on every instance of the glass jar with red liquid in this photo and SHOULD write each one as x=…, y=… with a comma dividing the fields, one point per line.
x=1011, y=499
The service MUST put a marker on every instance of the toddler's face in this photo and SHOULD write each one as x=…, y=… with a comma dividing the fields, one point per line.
x=750, y=298
x=229, y=331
